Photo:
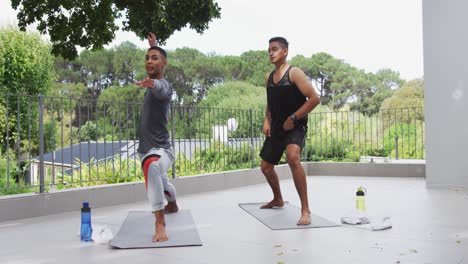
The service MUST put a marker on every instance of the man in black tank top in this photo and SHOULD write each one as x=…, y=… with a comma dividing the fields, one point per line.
x=290, y=97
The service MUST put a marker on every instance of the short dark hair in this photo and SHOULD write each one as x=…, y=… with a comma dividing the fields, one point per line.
x=283, y=42
x=161, y=50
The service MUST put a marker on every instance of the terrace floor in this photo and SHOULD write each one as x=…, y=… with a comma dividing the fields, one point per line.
x=429, y=226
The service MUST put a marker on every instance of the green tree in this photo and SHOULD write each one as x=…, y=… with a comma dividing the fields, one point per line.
x=121, y=65
x=26, y=71
x=236, y=95
x=70, y=91
x=181, y=72
x=339, y=83
x=181, y=83
x=231, y=67
x=92, y=23
x=237, y=99
x=97, y=69
x=26, y=66
x=255, y=66
x=62, y=99
x=126, y=93
x=372, y=89
x=208, y=73
x=192, y=73
x=120, y=107
x=341, y=86
x=406, y=103
x=67, y=72
x=128, y=63
x=363, y=92
x=321, y=69
x=411, y=94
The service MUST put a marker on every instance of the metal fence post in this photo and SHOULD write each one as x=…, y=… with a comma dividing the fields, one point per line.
x=396, y=146
x=252, y=139
x=173, y=141
x=41, y=144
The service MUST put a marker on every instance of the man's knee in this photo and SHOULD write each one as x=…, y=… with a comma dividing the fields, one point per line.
x=293, y=155
x=294, y=160
x=266, y=167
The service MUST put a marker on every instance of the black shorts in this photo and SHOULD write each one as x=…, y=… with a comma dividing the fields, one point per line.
x=275, y=145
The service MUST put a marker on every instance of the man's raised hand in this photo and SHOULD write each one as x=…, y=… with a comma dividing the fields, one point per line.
x=152, y=39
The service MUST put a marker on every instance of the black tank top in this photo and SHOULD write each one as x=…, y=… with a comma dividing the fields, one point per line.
x=283, y=98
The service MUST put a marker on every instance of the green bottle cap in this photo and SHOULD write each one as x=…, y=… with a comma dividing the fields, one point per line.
x=360, y=191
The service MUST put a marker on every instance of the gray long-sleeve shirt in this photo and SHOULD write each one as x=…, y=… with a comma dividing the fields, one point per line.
x=152, y=130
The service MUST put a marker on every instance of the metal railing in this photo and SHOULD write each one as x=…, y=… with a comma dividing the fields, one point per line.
x=52, y=143
x=350, y=136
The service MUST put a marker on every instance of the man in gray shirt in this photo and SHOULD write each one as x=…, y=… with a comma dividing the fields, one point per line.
x=154, y=148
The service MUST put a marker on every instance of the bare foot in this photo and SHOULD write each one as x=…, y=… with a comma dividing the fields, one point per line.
x=160, y=234
x=273, y=203
x=305, y=218
x=171, y=207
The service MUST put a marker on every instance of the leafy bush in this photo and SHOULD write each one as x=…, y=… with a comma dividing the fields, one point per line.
x=410, y=141
x=103, y=172
x=11, y=180
x=27, y=70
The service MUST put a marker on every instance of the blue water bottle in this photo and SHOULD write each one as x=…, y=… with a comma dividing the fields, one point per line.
x=86, y=229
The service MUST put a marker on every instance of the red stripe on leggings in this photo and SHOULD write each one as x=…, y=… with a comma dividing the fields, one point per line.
x=145, y=168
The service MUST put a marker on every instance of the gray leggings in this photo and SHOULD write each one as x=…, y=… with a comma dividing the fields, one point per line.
x=159, y=185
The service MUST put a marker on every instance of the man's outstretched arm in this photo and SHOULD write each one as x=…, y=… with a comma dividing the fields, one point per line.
x=158, y=88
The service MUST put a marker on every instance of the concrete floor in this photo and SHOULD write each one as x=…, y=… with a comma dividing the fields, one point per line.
x=429, y=226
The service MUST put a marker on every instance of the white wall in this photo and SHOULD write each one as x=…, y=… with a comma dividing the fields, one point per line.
x=445, y=35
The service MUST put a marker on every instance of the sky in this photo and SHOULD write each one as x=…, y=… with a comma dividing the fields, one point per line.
x=368, y=34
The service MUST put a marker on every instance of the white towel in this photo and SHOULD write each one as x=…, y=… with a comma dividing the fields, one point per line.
x=102, y=234
x=363, y=220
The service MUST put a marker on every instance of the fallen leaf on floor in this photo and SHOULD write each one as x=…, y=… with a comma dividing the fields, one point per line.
x=278, y=245
x=280, y=254
x=413, y=251
x=458, y=241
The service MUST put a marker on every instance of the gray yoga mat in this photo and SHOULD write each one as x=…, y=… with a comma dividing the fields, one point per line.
x=285, y=217
x=138, y=229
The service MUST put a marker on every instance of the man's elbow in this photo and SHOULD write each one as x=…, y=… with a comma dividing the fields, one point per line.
x=317, y=101
x=314, y=101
